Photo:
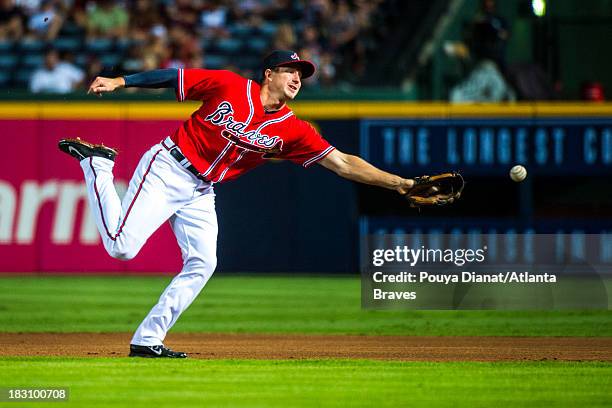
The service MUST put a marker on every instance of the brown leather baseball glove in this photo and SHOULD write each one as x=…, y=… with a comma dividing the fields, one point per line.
x=441, y=189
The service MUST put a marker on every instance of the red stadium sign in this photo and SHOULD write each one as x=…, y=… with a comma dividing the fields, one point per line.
x=45, y=222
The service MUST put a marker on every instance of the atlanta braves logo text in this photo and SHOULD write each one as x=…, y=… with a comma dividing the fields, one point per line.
x=223, y=116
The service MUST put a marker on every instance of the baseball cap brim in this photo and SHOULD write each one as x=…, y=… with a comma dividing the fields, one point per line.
x=306, y=67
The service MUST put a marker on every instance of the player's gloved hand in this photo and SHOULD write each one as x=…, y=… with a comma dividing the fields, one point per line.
x=101, y=84
x=440, y=189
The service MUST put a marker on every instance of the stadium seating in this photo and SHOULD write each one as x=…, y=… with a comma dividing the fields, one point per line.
x=18, y=59
x=99, y=46
x=240, y=30
x=215, y=61
x=82, y=60
x=228, y=46
x=110, y=60
x=5, y=77
x=67, y=44
x=21, y=78
x=257, y=45
x=8, y=62
x=31, y=46
x=6, y=46
x=33, y=60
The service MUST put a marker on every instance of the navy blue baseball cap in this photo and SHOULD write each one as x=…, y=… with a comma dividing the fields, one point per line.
x=286, y=58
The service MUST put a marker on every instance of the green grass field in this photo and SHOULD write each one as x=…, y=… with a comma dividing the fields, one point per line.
x=243, y=304
x=287, y=305
x=145, y=383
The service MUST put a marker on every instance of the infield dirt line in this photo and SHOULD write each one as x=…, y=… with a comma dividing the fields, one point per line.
x=294, y=346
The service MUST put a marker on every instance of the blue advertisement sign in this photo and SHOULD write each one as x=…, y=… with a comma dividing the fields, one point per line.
x=490, y=146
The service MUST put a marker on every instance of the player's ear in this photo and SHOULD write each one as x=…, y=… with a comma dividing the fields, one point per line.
x=267, y=73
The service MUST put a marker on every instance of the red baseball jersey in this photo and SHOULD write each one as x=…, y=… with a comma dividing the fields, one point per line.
x=231, y=133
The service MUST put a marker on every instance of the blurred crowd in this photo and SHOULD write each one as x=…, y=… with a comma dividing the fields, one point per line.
x=42, y=41
x=488, y=75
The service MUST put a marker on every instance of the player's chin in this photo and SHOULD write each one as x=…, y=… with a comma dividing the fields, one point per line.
x=291, y=94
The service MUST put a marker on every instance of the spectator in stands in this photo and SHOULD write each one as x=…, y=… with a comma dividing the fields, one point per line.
x=150, y=62
x=327, y=70
x=94, y=68
x=66, y=63
x=184, y=13
x=46, y=22
x=185, y=48
x=284, y=39
x=107, y=19
x=144, y=17
x=247, y=13
x=329, y=30
x=214, y=20
x=76, y=14
x=318, y=13
x=343, y=25
x=311, y=39
x=485, y=83
x=133, y=62
x=241, y=10
x=497, y=33
x=149, y=56
x=311, y=50
x=11, y=26
x=56, y=76
x=343, y=31
x=484, y=58
x=325, y=74
x=306, y=54
x=364, y=9
x=366, y=13
x=281, y=10
x=29, y=7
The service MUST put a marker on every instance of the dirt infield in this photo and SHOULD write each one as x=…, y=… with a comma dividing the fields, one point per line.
x=265, y=346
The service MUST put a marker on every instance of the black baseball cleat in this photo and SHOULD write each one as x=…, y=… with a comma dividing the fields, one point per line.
x=154, y=352
x=81, y=149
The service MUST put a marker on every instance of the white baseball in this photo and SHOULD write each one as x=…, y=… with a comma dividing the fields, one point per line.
x=518, y=173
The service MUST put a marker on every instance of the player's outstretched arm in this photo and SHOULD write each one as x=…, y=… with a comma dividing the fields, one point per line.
x=356, y=169
x=159, y=78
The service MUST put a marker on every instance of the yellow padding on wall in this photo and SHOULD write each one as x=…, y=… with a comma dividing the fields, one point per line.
x=307, y=109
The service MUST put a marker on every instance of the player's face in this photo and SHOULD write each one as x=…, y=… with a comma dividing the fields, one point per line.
x=287, y=81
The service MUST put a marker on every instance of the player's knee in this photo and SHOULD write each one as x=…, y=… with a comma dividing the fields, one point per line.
x=122, y=252
x=122, y=255
x=204, y=265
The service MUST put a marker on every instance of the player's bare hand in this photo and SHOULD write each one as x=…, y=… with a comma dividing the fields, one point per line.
x=405, y=186
x=101, y=85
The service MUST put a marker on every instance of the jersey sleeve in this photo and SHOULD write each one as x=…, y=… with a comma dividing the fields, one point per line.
x=197, y=84
x=309, y=146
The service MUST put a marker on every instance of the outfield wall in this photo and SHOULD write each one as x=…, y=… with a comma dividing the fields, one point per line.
x=282, y=218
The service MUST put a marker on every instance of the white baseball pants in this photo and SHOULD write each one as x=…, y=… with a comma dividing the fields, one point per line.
x=160, y=189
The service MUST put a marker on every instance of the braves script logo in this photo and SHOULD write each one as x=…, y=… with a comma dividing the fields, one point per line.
x=223, y=116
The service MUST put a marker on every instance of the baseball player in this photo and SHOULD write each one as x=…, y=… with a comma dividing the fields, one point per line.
x=240, y=125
